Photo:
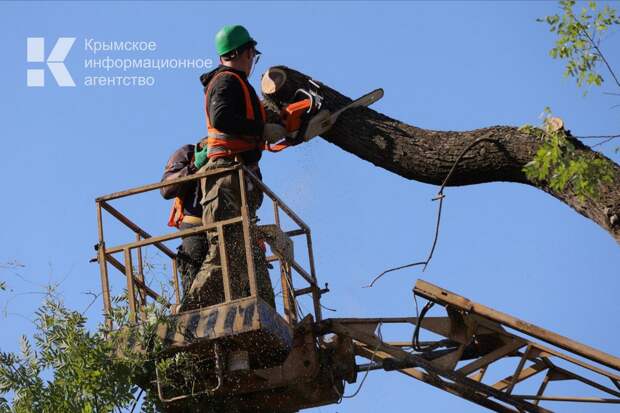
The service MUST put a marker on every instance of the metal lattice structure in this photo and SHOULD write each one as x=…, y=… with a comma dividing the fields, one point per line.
x=474, y=337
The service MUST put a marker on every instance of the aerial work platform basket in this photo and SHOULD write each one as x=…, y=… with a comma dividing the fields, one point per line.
x=243, y=355
x=282, y=350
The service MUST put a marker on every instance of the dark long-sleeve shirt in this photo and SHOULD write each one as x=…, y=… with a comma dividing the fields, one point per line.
x=181, y=164
x=227, y=111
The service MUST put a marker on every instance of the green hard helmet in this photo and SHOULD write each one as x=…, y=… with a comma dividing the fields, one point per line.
x=232, y=37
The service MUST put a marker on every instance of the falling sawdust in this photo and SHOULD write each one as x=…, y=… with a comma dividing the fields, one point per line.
x=298, y=193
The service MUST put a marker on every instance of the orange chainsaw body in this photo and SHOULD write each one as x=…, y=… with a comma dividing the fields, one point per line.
x=292, y=114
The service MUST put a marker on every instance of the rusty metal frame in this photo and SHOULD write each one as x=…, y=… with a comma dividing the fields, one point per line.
x=442, y=296
x=138, y=291
x=286, y=280
x=304, y=229
x=466, y=329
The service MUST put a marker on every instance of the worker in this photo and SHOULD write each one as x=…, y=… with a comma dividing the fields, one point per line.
x=237, y=132
x=186, y=211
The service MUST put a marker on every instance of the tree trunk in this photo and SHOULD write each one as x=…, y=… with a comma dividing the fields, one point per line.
x=427, y=155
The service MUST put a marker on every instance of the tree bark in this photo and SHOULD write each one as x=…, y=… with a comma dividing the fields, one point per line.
x=428, y=155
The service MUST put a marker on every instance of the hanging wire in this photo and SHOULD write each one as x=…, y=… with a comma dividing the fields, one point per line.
x=439, y=197
x=359, y=388
x=415, y=341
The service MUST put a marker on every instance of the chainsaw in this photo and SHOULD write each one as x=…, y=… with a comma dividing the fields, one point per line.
x=304, y=119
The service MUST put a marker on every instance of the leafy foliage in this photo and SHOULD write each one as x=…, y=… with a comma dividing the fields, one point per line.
x=578, y=39
x=70, y=369
x=559, y=165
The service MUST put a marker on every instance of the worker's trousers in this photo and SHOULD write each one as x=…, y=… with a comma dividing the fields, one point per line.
x=222, y=200
x=190, y=255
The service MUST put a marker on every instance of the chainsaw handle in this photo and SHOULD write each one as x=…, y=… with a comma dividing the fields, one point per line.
x=309, y=96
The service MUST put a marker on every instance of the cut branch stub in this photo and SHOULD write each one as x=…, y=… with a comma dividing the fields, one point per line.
x=428, y=155
x=273, y=80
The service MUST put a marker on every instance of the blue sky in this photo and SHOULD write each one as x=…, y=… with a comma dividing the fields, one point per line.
x=443, y=66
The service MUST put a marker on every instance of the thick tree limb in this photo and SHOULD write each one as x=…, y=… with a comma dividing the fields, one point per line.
x=427, y=155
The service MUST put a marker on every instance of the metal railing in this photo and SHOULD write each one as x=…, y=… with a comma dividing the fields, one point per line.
x=138, y=291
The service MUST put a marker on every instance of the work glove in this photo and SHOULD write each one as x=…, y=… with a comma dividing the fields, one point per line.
x=273, y=132
x=200, y=156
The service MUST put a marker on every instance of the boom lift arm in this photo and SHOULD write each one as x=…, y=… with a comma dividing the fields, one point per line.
x=476, y=337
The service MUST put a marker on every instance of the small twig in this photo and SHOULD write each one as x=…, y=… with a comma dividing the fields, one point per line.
x=95, y=297
x=6, y=314
x=606, y=138
x=611, y=138
x=600, y=53
x=597, y=136
x=11, y=265
x=440, y=197
x=5, y=308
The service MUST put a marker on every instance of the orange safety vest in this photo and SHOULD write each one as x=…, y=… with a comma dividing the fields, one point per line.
x=220, y=143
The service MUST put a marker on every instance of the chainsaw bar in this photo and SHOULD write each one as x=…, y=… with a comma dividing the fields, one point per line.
x=324, y=120
x=366, y=100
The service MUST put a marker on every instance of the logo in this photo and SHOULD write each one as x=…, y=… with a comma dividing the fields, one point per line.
x=35, y=53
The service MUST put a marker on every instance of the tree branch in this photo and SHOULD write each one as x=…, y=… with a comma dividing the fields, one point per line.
x=429, y=155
